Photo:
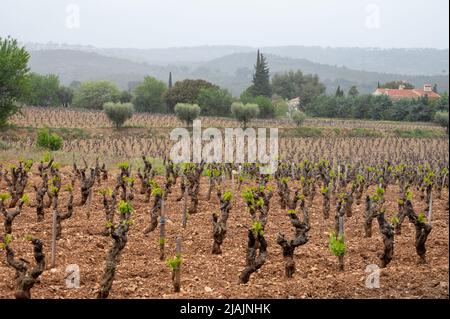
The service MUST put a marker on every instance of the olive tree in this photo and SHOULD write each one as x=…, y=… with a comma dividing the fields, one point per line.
x=118, y=113
x=298, y=117
x=244, y=113
x=187, y=112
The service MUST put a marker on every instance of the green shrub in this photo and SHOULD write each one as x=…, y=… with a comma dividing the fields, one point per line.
x=48, y=140
x=94, y=94
x=149, y=96
x=118, y=113
x=214, y=102
x=266, y=108
x=281, y=109
x=442, y=119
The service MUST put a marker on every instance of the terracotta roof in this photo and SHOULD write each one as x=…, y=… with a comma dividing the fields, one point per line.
x=407, y=93
x=430, y=94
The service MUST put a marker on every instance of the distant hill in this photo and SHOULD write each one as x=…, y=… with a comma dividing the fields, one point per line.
x=397, y=61
x=233, y=71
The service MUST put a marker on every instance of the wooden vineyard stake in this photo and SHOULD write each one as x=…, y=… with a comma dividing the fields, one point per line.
x=162, y=232
x=341, y=235
x=337, y=187
x=53, y=261
x=177, y=279
x=345, y=173
x=185, y=198
x=88, y=212
x=233, y=172
x=341, y=225
x=430, y=208
x=223, y=180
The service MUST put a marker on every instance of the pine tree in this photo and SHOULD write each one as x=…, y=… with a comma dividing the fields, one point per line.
x=170, y=80
x=261, y=78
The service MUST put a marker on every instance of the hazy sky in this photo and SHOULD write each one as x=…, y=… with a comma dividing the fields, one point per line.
x=168, y=23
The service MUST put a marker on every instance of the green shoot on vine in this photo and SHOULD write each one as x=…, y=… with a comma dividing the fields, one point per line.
x=227, y=196
x=4, y=196
x=123, y=165
x=125, y=207
x=25, y=198
x=175, y=262
x=337, y=244
x=394, y=220
x=422, y=218
x=257, y=228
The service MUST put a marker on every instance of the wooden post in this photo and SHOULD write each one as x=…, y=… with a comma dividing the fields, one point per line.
x=162, y=231
x=53, y=261
x=177, y=270
x=223, y=180
x=430, y=207
x=184, y=218
x=345, y=174
x=341, y=225
x=88, y=213
x=233, y=172
x=341, y=234
x=338, y=185
x=178, y=245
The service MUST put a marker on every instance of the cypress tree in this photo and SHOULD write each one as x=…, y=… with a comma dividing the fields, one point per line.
x=170, y=80
x=339, y=92
x=261, y=78
x=435, y=88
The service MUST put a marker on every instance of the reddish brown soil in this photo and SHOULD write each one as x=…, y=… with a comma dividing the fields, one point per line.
x=142, y=275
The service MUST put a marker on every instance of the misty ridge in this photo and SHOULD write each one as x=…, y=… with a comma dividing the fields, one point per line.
x=232, y=67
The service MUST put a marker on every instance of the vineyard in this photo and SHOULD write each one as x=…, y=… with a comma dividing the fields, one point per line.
x=339, y=216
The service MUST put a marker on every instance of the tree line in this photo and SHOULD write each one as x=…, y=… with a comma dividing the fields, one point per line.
x=266, y=97
x=380, y=107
